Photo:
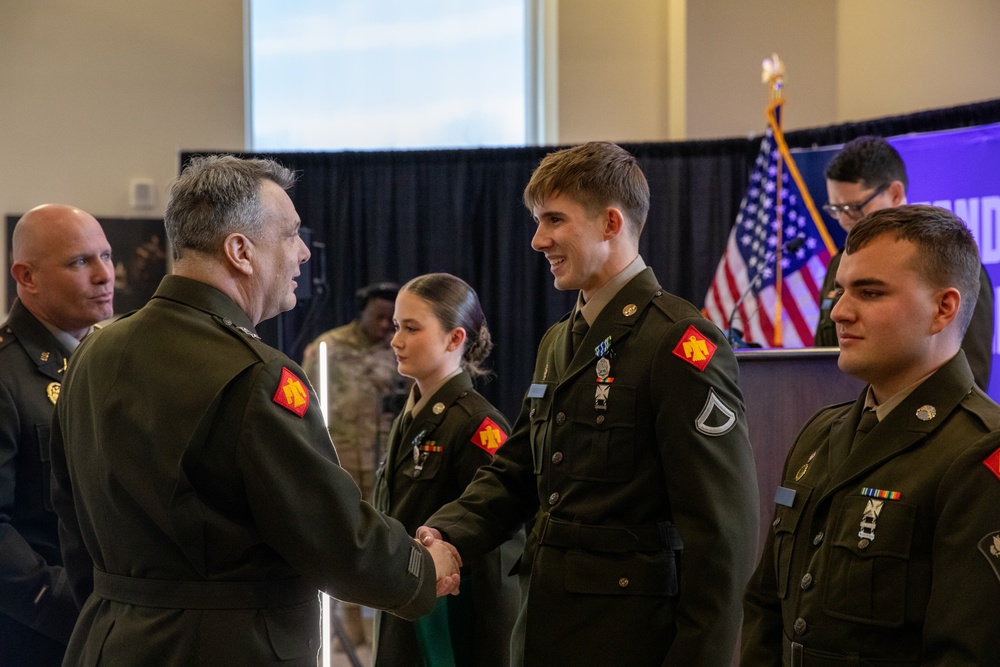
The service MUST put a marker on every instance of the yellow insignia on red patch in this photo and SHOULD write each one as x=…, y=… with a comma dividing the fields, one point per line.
x=292, y=393
x=695, y=348
x=993, y=463
x=489, y=437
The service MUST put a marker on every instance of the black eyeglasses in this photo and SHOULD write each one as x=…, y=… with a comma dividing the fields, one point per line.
x=853, y=211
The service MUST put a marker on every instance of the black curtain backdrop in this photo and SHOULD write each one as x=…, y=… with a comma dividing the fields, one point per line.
x=393, y=215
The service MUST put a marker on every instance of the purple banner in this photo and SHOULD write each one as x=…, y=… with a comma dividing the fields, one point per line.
x=956, y=169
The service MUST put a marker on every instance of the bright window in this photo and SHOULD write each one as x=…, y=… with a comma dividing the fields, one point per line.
x=372, y=74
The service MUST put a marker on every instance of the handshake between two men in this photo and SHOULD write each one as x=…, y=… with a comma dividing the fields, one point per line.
x=447, y=562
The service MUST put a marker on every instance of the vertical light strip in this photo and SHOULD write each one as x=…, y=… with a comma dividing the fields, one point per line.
x=532, y=74
x=541, y=80
x=326, y=655
x=247, y=77
x=549, y=48
x=677, y=70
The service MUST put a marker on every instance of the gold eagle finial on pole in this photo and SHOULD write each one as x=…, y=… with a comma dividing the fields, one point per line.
x=773, y=74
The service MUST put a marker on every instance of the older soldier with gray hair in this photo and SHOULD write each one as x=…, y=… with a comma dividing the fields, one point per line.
x=199, y=496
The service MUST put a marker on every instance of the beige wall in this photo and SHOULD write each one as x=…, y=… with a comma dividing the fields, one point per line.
x=727, y=41
x=612, y=71
x=846, y=60
x=94, y=93
x=896, y=56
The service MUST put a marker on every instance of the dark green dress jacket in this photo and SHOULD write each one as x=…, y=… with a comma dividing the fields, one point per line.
x=37, y=611
x=200, y=501
x=887, y=553
x=642, y=488
x=449, y=435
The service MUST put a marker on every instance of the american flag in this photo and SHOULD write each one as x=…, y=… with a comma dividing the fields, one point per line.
x=779, y=239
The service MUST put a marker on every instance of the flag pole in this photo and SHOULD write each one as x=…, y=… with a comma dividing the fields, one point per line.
x=773, y=75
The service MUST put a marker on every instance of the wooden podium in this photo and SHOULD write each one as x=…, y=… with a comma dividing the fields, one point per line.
x=782, y=390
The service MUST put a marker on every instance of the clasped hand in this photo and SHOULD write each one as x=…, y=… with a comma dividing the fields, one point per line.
x=446, y=560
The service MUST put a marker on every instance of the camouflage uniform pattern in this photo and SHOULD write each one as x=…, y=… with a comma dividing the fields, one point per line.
x=360, y=376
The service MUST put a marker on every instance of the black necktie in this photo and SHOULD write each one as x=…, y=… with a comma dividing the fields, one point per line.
x=868, y=420
x=580, y=328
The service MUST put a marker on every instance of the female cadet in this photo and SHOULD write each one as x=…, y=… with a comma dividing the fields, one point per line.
x=446, y=432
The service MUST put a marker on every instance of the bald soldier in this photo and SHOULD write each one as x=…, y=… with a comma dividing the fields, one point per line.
x=65, y=279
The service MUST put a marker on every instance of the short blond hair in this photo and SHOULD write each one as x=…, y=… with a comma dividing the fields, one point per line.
x=596, y=175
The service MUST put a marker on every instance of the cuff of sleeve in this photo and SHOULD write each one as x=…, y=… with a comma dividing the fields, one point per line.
x=421, y=567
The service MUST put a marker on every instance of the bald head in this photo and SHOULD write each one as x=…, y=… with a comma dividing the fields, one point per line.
x=62, y=265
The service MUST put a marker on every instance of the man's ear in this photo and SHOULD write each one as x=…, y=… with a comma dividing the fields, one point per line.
x=897, y=193
x=238, y=251
x=949, y=301
x=24, y=276
x=614, y=223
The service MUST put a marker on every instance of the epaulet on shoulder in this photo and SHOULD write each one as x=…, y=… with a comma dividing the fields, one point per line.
x=7, y=336
x=673, y=306
x=982, y=405
x=472, y=402
x=262, y=350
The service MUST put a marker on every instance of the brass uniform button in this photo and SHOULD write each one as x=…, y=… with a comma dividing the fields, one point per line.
x=557, y=458
x=799, y=626
x=806, y=582
x=600, y=419
x=818, y=540
x=623, y=582
x=561, y=418
x=554, y=498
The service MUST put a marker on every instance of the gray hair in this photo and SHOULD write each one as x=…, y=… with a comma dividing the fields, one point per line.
x=218, y=195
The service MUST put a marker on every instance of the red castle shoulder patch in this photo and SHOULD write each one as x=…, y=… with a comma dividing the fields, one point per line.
x=292, y=393
x=993, y=463
x=489, y=436
x=695, y=348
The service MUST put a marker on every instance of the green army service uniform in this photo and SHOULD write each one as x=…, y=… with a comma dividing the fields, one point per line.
x=360, y=376
x=428, y=464
x=978, y=341
x=632, y=457
x=200, y=501
x=826, y=328
x=37, y=611
x=887, y=553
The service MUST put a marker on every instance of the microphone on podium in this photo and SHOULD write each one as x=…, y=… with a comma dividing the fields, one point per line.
x=734, y=335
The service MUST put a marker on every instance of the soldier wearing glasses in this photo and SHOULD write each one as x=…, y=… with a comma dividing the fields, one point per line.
x=869, y=175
